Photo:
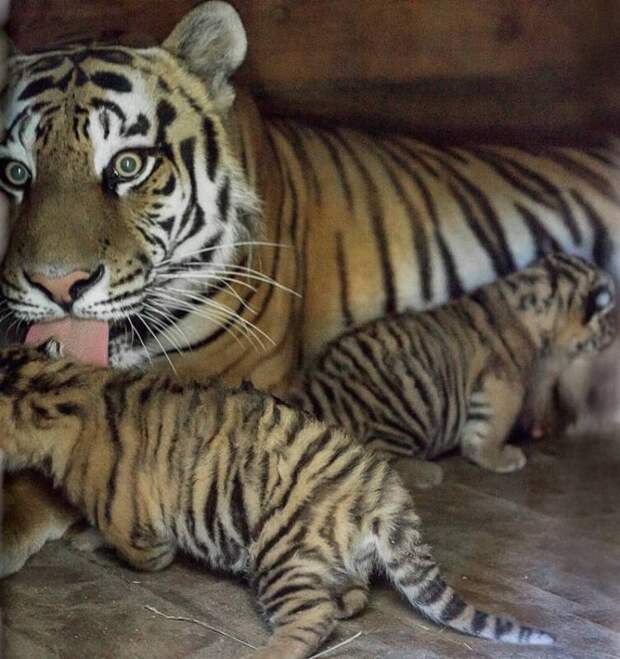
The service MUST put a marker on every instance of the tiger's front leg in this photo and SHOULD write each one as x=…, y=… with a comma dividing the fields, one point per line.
x=33, y=514
x=492, y=412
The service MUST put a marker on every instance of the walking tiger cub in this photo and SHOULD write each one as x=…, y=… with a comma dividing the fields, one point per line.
x=237, y=478
x=424, y=383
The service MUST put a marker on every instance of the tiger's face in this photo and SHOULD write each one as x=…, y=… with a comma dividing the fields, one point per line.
x=585, y=295
x=120, y=173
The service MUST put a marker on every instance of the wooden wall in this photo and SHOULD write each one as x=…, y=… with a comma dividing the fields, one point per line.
x=438, y=66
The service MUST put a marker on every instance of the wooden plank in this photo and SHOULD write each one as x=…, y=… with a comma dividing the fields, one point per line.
x=441, y=64
x=355, y=39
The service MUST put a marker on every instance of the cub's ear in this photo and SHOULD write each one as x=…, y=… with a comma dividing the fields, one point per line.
x=211, y=40
x=51, y=348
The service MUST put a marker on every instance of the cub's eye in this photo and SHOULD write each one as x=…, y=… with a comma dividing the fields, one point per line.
x=16, y=173
x=128, y=165
x=600, y=299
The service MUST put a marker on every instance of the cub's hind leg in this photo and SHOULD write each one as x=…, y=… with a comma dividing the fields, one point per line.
x=352, y=600
x=492, y=412
x=143, y=551
x=33, y=514
x=298, y=603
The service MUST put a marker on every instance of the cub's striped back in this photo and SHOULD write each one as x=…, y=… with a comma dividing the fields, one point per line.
x=239, y=480
x=423, y=383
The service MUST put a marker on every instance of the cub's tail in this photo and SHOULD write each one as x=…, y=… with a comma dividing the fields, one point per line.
x=411, y=567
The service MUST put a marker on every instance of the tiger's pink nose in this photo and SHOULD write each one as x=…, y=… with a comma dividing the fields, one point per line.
x=69, y=288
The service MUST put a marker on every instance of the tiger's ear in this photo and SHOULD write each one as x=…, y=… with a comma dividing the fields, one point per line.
x=211, y=40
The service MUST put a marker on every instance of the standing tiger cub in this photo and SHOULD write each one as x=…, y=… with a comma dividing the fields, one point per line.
x=236, y=478
x=424, y=383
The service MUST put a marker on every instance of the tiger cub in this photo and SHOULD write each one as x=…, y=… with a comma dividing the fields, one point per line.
x=424, y=383
x=236, y=478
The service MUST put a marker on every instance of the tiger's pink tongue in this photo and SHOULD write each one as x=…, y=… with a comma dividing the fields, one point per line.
x=84, y=340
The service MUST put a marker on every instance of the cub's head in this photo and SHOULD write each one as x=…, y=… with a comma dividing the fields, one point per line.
x=574, y=302
x=122, y=175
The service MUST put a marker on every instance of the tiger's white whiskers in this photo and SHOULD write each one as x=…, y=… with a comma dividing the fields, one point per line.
x=159, y=343
x=245, y=243
x=212, y=303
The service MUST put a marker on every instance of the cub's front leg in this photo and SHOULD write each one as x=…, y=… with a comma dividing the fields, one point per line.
x=493, y=409
x=33, y=514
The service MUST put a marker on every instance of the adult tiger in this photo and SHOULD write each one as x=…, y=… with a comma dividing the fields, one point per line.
x=135, y=177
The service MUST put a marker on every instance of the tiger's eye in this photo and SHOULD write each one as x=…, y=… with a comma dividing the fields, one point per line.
x=128, y=165
x=17, y=174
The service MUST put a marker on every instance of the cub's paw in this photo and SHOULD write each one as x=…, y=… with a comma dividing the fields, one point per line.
x=425, y=475
x=86, y=539
x=508, y=458
x=351, y=602
x=419, y=474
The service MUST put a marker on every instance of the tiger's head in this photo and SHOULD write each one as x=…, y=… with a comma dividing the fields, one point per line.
x=121, y=172
x=571, y=304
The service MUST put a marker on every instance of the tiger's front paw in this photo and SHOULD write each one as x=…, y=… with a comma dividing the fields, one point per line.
x=33, y=514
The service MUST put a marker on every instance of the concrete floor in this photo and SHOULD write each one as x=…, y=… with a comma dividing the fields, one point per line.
x=542, y=545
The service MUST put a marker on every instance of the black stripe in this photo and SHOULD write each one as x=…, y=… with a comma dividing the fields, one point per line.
x=344, y=283
x=501, y=163
x=453, y=609
x=499, y=253
x=503, y=627
x=37, y=86
x=112, y=81
x=166, y=114
x=602, y=249
x=324, y=138
x=141, y=127
x=102, y=103
x=223, y=200
x=376, y=215
x=592, y=178
x=432, y=592
x=520, y=177
x=115, y=401
x=194, y=210
x=111, y=55
x=480, y=298
x=479, y=622
x=424, y=262
x=291, y=133
x=211, y=147
x=238, y=513
x=544, y=242
x=169, y=187
x=455, y=286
